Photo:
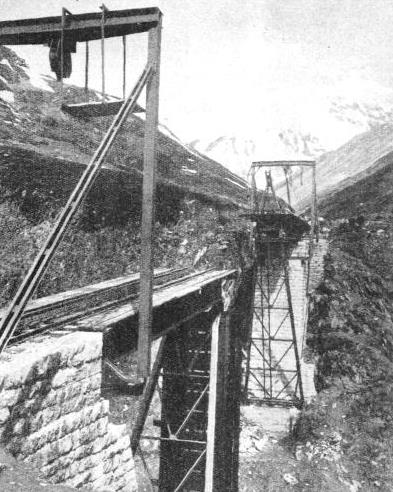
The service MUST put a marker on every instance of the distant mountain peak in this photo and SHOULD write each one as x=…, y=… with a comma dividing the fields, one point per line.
x=323, y=123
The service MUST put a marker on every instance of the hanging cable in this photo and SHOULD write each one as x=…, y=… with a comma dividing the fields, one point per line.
x=62, y=53
x=124, y=66
x=288, y=177
x=87, y=70
x=63, y=18
x=104, y=11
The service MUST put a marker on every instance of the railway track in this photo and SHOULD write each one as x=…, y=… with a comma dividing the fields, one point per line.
x=58, y=310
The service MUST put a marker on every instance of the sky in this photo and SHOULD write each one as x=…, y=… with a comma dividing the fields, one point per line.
x=234, y=66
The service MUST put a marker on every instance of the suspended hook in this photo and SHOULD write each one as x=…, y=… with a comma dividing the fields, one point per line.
x=60, y=49
x=288, y=181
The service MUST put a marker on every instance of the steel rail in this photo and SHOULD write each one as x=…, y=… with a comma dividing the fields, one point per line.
x=77, y=295
x=57, y=321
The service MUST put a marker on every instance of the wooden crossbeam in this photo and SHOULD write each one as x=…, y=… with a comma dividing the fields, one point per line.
x=81, y=27
x=96, y=109
x=283, y=163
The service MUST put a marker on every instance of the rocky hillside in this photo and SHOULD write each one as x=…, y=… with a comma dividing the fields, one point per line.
x=351, y=339
x=43, y=151
x=362, y=156
x=34, y=126
x=351, y=324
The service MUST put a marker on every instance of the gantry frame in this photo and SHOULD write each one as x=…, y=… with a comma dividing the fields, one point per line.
x=255, y=199
x=86, y=27
x=81, y=27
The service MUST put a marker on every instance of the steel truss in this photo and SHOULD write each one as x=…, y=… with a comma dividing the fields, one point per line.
x=273, y=373
x=273, y=368
x=197, y=375
x=185, y=382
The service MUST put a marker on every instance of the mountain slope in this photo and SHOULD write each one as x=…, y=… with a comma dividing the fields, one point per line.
x=43, y=153
x=350, y=334
x=363, y=155
x=34, y=124
x=301, y=122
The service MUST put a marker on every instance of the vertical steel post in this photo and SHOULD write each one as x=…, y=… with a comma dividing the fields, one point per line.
x=269, y=313
x=235, y=392
x=212, y=409
x=149, y=166
x=250, y=309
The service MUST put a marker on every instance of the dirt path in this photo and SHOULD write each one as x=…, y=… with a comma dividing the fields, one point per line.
x=271, y=462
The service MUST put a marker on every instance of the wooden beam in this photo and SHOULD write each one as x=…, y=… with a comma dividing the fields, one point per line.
x=82, y=27
x=149, y=171
x=283, y=163
x=95, y=109
x=147, y=397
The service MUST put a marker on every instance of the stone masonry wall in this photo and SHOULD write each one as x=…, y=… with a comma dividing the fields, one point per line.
x=298, y=273
x=52, y=413
x=318, y=261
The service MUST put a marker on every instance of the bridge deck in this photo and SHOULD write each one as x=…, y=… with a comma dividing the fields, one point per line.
x=175, y=300
x=101, y=306
x=287, y=221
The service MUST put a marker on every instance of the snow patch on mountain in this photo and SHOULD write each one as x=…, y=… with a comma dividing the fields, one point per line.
x=14, y=71
x=302, y=123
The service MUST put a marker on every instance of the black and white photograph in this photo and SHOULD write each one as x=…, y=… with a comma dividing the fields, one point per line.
x=196, y=245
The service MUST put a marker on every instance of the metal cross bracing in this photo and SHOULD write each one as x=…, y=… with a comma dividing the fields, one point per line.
x=184, y=386
x=197, y=377
x=184, y=414
x=272, y=372
x=273, y=369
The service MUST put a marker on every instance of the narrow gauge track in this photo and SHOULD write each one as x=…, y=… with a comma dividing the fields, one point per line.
x=61, y=309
